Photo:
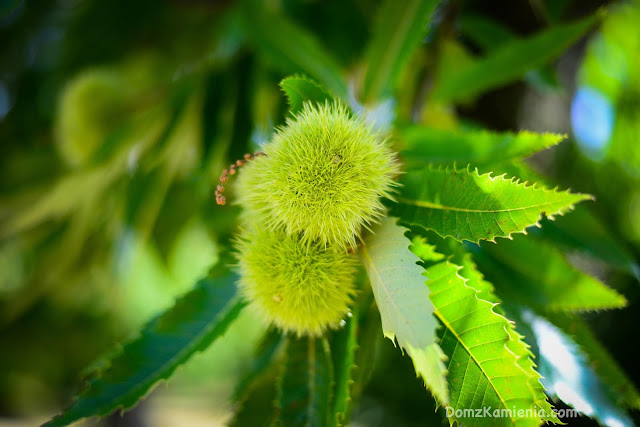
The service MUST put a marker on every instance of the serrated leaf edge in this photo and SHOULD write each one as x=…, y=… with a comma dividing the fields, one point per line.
x=235, y=304
x=513, y=180
x=507, y=331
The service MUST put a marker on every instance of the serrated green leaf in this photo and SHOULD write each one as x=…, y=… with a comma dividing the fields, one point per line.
x=424, y=250
x=485, y=291
x=403, y=300
x=477, y=147
x=516, y=343
x=441, y=249
x=305, y=387
x=291, y=48
x=537, y=274
x=489, y=365
x=343, y=349
x=517, y=169
x=623, y=390
x=468, y=206
x=509, y=62
x=196, y=320
x=300, y=89
x=400, y=28
x=266, y=352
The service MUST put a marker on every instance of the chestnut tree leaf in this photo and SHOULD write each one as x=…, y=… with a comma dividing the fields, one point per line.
x=190, y=326
x=489, y=364
x=300, y=89
x=403, y=300
x=468, y=206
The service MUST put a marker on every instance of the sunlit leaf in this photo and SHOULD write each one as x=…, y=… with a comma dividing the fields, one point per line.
x=489, y=364
x=468, y=206
x=403, y=300
x=484, y=293
x=516, y=344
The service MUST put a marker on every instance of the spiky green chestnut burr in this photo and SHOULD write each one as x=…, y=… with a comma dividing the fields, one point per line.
x=301, y=287
x=323, y=177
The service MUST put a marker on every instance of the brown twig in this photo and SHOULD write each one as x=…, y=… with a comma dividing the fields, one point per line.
x=220, y=199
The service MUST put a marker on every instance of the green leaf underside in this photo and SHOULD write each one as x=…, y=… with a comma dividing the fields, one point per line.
x=196, y=320
x=300, y=89
x=544, y=277
x=468, y=206
x=292, y=48
x=623, y=389
x=305, y=388
x=343, y=349
x=403, y=301
x=489, y=365
x=509, y=62
x=477, y=147
x=400, y=27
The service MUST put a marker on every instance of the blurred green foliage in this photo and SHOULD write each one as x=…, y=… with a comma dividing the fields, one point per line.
x=116, y=119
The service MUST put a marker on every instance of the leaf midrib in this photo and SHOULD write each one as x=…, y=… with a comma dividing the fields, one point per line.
x=471, y=355
x=430, y=205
